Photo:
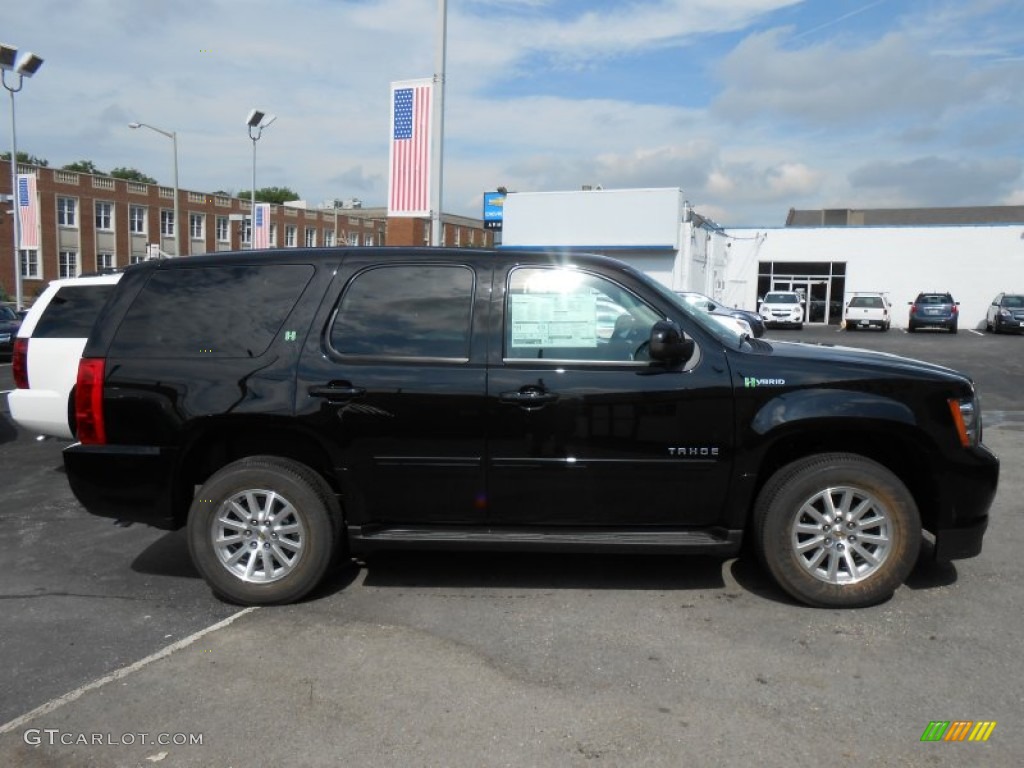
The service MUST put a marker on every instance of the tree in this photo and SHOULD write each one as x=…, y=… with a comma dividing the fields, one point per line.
x=83, y=166
x=26, y=159
x=271, y=195
x=131, y=174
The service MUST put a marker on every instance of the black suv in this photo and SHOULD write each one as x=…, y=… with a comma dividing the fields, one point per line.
x=291, y=406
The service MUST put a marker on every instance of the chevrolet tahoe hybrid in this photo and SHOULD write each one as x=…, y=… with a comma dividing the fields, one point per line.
x=290, y=407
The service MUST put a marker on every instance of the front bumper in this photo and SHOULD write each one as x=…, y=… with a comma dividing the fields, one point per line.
x=1009, y=324
x=129, y=483
x=966, y=490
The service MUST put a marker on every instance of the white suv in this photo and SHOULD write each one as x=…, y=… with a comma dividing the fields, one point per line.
x=782, y=308
x=47, y=349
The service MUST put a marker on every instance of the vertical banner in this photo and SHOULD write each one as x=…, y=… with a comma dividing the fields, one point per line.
x=261, y=226
x=28, y=211
x=409, y=159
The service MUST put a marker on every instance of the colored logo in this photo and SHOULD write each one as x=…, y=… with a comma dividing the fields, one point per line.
x=751, y=381
x=958, y=730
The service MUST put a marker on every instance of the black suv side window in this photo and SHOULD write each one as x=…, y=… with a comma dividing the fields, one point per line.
x=406, y=311
x=566, y=314
x=207, y=312
x=72, y=311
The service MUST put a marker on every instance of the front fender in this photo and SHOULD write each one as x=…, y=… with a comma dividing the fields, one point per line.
x=804, y=404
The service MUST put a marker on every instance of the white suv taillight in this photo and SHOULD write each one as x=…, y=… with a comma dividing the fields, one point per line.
x=19, y=363
x=91, y=428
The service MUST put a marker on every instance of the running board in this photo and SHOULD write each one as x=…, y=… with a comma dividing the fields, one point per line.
x=714, y=541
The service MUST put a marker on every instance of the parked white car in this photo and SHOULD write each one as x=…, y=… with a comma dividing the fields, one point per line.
x=782, y=308
x=867, y=309
x=47, y=350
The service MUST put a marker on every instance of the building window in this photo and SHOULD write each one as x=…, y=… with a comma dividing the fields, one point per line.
x=223, y=229
x=458, y=236
x=329, y=237
x=104, y=215
x=68, y=264
x=167, y=223
x=66, y=208
x=196, y=226
x=367, y=239
x=104, y=261
x=353, y=238
x=289, y=236
x=247, y=231
x=30, y=264
x=273, y=234
x=137, y=219
x=311, y=237
x=136, y=258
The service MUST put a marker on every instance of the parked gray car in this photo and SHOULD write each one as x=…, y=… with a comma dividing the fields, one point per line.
x=1006, y=313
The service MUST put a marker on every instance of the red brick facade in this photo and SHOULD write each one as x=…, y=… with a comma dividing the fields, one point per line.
x=218, y=221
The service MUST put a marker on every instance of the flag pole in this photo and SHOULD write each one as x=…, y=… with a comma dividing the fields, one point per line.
x=437, y=227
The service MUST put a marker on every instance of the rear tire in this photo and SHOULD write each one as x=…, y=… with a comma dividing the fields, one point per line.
x=263, y=531
x=873, y=531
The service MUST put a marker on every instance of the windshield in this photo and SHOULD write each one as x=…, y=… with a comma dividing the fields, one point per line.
x=781, y=298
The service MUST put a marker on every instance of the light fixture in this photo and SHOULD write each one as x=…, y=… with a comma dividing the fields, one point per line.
x=173, y=136
x=256, y=124
x=24, y=65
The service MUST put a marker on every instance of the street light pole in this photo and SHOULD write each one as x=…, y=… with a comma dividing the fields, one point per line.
x=173, y=136
x=23, y=66
x=256, y=126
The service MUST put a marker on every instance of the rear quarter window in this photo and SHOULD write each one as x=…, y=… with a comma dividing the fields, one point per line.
x=72, y=312
x=203, y=312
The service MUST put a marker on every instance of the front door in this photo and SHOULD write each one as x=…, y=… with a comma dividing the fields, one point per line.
x=584, y=429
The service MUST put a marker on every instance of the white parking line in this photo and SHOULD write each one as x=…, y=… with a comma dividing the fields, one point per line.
x=67, y=698
x=976, y=333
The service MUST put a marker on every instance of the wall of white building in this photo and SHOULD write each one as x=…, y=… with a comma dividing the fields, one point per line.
x=653, y=230
x=974, y=263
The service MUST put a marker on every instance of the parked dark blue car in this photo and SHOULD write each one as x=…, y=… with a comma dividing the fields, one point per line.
x=934, y=310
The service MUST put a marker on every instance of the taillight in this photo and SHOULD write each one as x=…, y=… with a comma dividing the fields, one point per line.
x=955, y=309
x=913, y=308
x=91, y=429
x=19, y=363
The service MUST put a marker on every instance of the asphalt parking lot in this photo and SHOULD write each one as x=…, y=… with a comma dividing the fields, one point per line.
x=116, y=654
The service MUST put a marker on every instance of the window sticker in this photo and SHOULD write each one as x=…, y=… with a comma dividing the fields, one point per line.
x=553, y=320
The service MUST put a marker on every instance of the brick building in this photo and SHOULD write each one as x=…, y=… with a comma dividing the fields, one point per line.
x=90, y=223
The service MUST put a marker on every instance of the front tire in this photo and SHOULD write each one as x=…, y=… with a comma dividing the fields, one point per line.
x=263, y=531
x=837, y=530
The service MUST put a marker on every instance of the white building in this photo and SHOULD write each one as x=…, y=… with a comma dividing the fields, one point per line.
x=656, y=231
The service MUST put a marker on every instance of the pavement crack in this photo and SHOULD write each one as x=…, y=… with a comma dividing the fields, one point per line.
x=35, y=595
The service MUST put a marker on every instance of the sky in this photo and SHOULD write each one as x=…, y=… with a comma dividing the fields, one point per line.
x=751, y=107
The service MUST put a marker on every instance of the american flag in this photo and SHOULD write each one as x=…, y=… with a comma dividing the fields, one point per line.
x=409, y=176
x=28, y=210
x=261, y=226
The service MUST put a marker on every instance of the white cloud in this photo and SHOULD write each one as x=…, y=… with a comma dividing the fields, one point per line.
x=804, y=115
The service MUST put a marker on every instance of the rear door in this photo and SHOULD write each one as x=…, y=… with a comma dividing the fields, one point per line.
x=585, y=430
x=394, y=375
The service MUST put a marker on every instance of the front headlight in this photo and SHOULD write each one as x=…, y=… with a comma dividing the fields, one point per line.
x=967, y=418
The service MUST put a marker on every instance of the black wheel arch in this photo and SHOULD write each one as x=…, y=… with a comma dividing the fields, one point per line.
x=215, y=444
x=894, y=445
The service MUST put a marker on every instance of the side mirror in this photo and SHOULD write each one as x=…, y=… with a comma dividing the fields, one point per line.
x=668, y=344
